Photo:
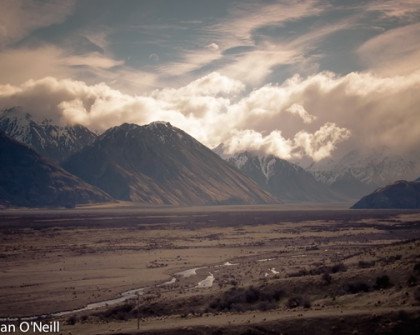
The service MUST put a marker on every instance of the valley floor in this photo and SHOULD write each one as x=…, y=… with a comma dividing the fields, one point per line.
x=217, y=270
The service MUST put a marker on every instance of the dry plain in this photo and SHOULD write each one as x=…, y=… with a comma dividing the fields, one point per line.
x=214, y=270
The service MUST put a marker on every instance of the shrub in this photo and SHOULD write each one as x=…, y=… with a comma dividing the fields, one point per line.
x=71, y=320
x=241, y=299
x=417, y=294
x=298, y=301
x=356, y=287
x=366, y=264
x=340, y=267
x=123, y=312
x=382, y=282
x=412, y=281
x=326, y=278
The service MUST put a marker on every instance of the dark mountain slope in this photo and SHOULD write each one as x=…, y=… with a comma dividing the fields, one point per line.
x=161, y=164
x=283, y=179
x=401, y=194
x=27, y=179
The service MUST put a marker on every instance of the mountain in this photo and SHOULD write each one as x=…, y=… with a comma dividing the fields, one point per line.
x=27, y=179
x=356, y=174
x=287, y=181
x=401, y=194
x=161, y=164
x=49, y=140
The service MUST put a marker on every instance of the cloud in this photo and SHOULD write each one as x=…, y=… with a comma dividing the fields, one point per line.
x=301, y=117
x=402, y=9
x=251, y=140
x=19, y=65
x=94, y=60
x=237, y=30
x=301, y=112
x=247, y=18
x=322, y=143
x=318, y=145
x=190, y=61
x=213, y=46
x=396, y=51
x=18, y=18
x=254, y=66
x=212, y=84
x=154, y=58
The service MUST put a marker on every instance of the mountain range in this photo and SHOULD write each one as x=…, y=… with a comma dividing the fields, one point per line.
x=52, y=141
x=286, y=181
x=162, y=165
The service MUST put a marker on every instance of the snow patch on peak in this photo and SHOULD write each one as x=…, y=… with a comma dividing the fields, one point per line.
x=53, y=141
x=159, y=124
x=240, y=160
x=267, y=164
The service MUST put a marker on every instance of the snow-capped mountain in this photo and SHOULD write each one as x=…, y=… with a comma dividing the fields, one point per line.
x=160, y=164
x=285, y=180
x=356, y=174
x=50, y=140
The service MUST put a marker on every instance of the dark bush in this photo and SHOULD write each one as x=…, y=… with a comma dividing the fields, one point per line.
x=338, y=268
x=356, y=287
x=300, y=273
x=326, y=278
x=123, y=312
x=382, y=282
x=366, y=264
x=241, y=299
x=298, y=301
x=71, y=320
x=417, y=294
x=412, y=281
x=390, y=259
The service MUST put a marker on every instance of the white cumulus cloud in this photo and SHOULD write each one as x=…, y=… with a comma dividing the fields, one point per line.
x=301, y=117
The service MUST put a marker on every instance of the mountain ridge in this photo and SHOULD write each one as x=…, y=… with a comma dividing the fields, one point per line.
x=161, y=164
x=285, y=180
x=48, y=139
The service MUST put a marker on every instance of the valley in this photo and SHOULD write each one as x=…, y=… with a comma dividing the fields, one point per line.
x=229, y=269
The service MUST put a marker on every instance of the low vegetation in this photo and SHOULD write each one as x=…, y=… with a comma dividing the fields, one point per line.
x=251, y=298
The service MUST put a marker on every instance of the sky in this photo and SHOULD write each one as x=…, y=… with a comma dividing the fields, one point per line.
x=303, y=79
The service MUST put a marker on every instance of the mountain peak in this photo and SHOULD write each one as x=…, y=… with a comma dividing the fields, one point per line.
x=160, y=164
x=51, y=140
x=158, y=124
x=285, y=180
